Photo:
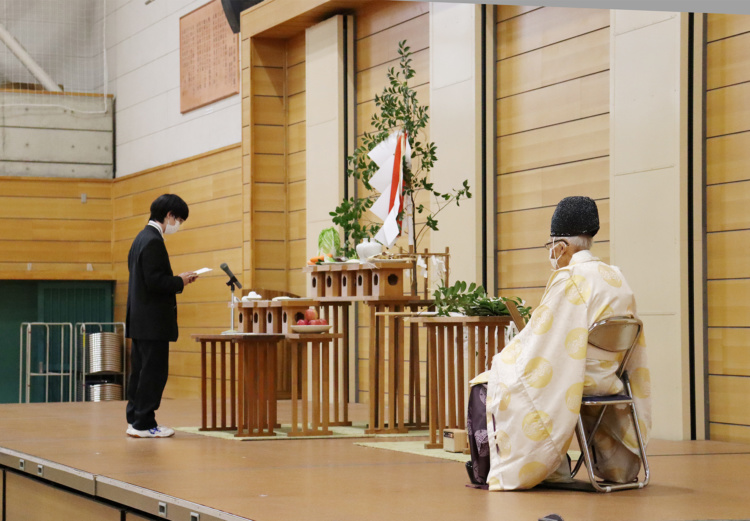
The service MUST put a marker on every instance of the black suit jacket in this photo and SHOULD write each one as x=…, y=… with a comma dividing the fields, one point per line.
x=152, y=306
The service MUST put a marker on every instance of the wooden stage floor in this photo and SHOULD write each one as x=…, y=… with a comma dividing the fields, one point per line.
x=336, y=480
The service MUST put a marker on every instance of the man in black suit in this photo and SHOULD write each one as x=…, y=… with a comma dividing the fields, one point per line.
x=151, y=320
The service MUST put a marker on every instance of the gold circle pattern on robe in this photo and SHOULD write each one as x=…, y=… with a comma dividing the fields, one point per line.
x=503, y=443
x=538, y=372
x=576, y=343
x=640, y=382
x=504, y=401
x=532, y=473
x=610, y=276
x=577, y=290
x=510, y=353
x=573, y=397
x=537, y=425
x=628, y=433
x=541, y=320
x=605, y=311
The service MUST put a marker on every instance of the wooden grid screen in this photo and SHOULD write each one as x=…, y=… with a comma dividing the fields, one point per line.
x=728, y=225
x=552, y=133
x=379, y=28
x=211, y=185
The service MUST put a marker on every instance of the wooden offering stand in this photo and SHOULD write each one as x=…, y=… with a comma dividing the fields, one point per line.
x=380, y=285
x=256, y=382
x=277, y=316
x=315, y=373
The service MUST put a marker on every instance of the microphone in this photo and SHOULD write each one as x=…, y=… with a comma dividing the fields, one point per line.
x=232, y=278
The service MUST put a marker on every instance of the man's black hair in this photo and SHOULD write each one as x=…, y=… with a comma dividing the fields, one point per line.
x=169, y=203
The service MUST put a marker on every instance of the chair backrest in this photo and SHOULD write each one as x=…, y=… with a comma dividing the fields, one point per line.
x=515, y=315
x=616, y=334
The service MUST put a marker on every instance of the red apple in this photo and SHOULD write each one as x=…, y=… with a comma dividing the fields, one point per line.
x=322, y=322
x=302, y=322
x=311, y=313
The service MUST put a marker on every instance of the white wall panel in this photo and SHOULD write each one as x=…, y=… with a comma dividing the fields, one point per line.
x=143, y=54
x=455, y=73
x=324, y=120
x=138, y=86
x=201, y=134
x=646, y=99
x=648, y=178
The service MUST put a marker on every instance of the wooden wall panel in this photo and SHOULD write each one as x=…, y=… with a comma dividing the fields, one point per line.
x=382, y=47
x=726, y=25
x=58, y=225
x=265, y=194
x=727, y=205
x=574, y=58
x=552, y=133
x=725, y=432
x=211, y=185
x=729, y=351
x=274, y=144
x=727, y=158
x=296, y=176
x=546, y=186
x=370, y=81
x=379, y=16
x=505, y=12
x=568, y=101
x=731, y=403
x=729, y=255
x=728, y=226
x=545, y=27
x=729, y=62
x=728, y=110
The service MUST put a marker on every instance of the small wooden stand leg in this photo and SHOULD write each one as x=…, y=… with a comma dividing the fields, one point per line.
x=295, y=391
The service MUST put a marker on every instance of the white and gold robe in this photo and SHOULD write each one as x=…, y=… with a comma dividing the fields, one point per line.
x=535, y=385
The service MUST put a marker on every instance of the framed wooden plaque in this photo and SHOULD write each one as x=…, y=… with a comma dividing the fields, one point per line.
x=209, y=57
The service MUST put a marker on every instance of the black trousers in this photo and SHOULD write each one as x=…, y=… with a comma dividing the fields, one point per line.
x=149, y=369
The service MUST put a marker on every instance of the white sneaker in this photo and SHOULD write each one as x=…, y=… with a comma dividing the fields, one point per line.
x=157, y=432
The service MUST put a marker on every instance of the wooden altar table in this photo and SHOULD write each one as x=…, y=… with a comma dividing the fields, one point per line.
x=256, y=382
x=448, y=378
x=314, y=382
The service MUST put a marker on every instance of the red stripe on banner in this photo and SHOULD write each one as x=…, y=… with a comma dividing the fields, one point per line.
x=395, y=175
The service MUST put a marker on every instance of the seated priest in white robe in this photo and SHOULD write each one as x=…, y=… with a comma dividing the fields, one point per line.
x=535, y=384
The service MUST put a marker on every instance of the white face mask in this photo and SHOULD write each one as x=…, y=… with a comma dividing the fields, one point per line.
x=172, y=228
x=553, y=260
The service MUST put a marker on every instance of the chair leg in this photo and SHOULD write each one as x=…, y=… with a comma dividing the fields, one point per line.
x=585, y=445
x=590, y=439
x=639, y=436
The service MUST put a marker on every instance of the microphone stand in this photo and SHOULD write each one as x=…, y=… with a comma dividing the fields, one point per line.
x=232, y=305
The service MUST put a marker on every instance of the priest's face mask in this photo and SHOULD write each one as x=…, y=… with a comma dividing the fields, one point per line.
x=556, y=249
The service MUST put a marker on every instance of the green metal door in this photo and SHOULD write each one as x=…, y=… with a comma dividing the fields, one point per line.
x=18, y=303
x=44, y=301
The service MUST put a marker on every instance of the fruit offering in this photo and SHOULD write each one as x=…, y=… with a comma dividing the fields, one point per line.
x=312, y=322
